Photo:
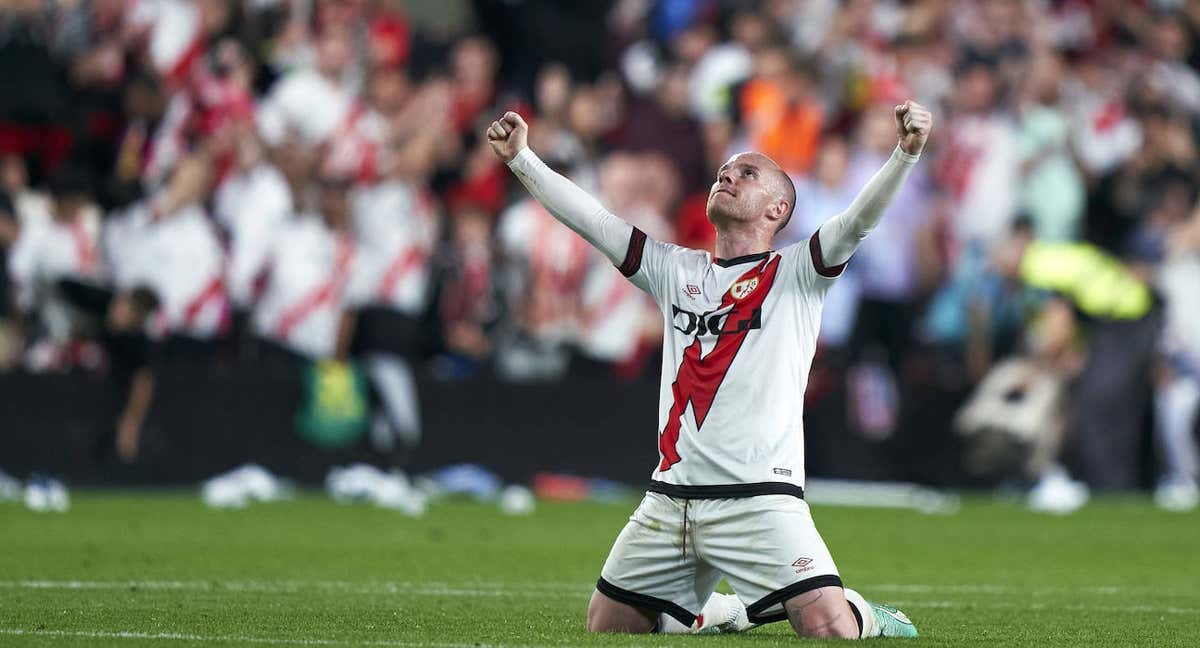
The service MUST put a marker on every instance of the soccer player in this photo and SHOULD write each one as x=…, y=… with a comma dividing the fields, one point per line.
x=727, y=497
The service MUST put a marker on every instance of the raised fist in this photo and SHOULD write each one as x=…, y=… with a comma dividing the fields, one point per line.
x=913, y=123
x=508, y=135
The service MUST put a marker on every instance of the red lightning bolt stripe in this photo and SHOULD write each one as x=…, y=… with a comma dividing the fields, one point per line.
x=699, y=378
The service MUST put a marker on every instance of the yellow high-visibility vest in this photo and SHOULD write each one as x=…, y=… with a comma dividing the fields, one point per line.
x=1098, y=284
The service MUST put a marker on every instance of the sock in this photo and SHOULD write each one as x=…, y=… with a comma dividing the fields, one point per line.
x=865, y=616
x=718, y=609
x=668, y=624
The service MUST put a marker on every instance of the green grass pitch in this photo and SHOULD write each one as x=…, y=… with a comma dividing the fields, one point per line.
x=143, y=569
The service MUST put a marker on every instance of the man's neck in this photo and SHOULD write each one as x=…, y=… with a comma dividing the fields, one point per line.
x=734, y=244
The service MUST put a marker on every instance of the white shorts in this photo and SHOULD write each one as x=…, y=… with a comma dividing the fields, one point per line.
x=673, y=552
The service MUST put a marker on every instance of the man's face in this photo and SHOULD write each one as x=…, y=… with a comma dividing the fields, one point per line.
x=67, y=208
x=748, y=189
x=123, y=314
x=1008, y=254
x=333, y=54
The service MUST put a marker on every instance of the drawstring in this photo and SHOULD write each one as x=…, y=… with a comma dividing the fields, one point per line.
x=685, y=512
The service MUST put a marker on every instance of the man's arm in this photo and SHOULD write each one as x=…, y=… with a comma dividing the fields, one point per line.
x=841, y=235
x=133, y=416
x=571, y=205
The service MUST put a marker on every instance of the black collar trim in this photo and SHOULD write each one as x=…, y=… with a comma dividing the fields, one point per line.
x=725, y=263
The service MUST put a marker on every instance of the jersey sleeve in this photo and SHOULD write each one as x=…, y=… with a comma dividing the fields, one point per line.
x=645, y=262
x=808, y=265
x=841, y=235
x=651, y=265
x=822, y=258
x=571, y=205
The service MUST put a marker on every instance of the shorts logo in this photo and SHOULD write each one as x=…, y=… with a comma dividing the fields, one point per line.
x=782, y=471
x=743, y=288
x=802, y=565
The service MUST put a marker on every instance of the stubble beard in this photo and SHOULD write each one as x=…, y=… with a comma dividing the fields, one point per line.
x=723, y=214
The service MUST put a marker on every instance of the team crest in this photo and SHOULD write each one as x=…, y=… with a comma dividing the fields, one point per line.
x=743, y=288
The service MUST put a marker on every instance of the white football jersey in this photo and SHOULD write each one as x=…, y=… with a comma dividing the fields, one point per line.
x=179, y=257
x=48, y=250
x=314, y=275
x=739, y=339
x=253, y=206
x=397, y=228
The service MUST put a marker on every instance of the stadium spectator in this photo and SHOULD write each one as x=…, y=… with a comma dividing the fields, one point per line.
x=780, y=110
x=544, y=267
x=1052, y=191
x=47, y=250
x=167, y=302
x=1080, y=117
x=1111, y=372
x=28, y=204
x=397, y=225
x=828, y=190
x=314, y=277
x=167, y=244
x=553, y=95
x=978, y=167
x=316, y=102
x=8, y=234
x=662, y=124
x=888, y=275
x=252, y=205
x=619, y=327
x=471, y=306
x=1165, y=250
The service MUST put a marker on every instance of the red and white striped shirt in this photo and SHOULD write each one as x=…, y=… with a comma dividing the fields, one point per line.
x=397, y=226
x=314, y=274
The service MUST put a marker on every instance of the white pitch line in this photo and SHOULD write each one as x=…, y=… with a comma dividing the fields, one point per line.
x=178, y=636
x=277, y=641
x=1108, y=590
x=289, y=587
x=1074, y=607
x=581, y=590
x=175, y=636
x=499, y=588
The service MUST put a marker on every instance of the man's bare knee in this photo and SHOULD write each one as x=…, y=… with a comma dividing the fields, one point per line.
x=606, y=615
x=823, y=612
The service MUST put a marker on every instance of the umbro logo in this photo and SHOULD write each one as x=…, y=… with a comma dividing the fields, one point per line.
x=802, y=565
x=692, y=291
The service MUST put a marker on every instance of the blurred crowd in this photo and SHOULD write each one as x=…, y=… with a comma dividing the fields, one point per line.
x=307, y=180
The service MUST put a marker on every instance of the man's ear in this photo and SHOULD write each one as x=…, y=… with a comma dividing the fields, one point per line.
x=778, y=210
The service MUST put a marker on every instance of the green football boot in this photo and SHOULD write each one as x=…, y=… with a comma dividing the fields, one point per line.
x=893, y=622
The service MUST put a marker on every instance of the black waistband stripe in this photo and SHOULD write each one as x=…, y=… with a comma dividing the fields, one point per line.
x=724, y=491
